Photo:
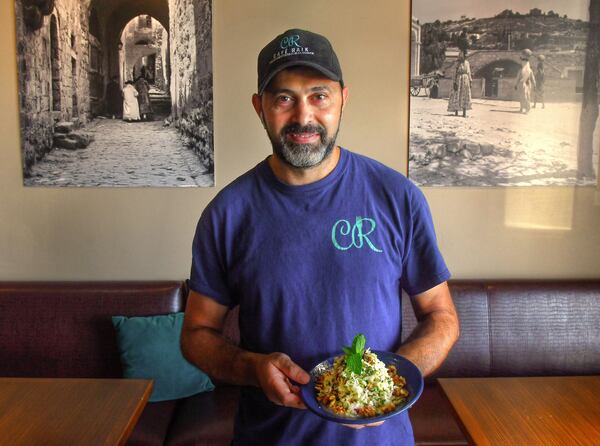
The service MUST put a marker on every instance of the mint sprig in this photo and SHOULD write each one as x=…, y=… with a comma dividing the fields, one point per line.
x=355, y=353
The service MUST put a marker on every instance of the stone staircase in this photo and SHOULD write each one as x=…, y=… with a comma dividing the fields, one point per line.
x=161, y=102
x=68, y=136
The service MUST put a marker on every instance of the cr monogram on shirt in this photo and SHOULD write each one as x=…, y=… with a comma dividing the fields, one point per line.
x=346, y=235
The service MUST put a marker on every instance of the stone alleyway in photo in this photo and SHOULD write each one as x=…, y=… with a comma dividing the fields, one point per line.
x=123, y=154
x=75, y=58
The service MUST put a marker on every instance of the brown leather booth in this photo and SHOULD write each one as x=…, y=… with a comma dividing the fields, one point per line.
x=508, y=328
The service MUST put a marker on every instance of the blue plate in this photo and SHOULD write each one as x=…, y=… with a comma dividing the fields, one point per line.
x=405, y=368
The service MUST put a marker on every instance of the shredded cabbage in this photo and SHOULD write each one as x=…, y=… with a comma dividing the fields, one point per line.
x=377, y=390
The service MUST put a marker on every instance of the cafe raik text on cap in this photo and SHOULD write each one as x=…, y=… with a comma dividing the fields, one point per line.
x=297, y=47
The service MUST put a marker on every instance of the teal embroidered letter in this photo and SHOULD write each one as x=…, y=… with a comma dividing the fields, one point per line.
x=346, y=224
x=359, y=227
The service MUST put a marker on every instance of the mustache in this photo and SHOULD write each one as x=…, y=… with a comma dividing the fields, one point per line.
x=311, y=128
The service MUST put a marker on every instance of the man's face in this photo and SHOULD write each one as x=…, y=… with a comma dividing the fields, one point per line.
x=301, y=110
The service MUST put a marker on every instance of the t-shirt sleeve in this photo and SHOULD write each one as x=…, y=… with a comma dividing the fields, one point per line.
x=208, y=273
x=423, y=266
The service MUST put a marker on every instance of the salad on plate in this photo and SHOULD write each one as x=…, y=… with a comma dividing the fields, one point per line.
x=359, y=384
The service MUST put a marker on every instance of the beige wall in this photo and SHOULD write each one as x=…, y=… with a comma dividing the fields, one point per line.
x=107, y=234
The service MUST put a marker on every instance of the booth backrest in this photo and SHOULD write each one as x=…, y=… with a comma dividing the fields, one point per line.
x=515, y=328
x=64, y=329
x=510, y=328
x=523, y=328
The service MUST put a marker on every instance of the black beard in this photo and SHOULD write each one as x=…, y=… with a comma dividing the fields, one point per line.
x=303, y=156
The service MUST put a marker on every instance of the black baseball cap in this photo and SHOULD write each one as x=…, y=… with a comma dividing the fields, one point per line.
x=297, y=47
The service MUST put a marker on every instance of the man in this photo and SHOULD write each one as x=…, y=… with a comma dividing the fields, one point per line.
x=539, y=77
x=314, y=244
x=525, y=82
x=143, y=89
x=463, y=41
x=114, y=98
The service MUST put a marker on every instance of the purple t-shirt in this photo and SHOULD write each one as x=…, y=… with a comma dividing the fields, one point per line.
x=310, y=267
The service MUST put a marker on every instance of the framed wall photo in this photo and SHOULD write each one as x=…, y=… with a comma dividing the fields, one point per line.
x=115, y=92
x=504, y=97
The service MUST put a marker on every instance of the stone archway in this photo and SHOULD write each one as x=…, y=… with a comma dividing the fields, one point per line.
x=144, y=48
x=113, y=15
x=495, y=73
x=144, y=53
x=110, y=18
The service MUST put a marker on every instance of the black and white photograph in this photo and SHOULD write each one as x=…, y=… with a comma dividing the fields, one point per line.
x=504, y=94
x=115, y=92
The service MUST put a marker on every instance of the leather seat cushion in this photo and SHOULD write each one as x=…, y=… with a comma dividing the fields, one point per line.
x=151, y=428
x=206, y=418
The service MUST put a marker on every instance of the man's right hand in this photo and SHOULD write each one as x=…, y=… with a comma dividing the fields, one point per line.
x=203, y=344
x=276, y=374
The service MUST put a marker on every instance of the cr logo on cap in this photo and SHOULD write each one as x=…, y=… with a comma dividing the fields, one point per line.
x=289, y=41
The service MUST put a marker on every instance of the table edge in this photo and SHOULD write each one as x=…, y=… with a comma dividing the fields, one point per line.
x=458, y=420
x=135, y=416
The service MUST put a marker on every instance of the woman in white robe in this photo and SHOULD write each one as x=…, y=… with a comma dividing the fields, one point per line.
x=131, y=108
x=525, y=82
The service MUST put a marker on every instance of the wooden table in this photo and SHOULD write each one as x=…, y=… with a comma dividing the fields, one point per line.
x=544, y=411
x=70, y=412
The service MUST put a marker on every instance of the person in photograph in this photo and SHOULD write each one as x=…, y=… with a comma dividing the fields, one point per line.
x=335, y=238
x=434, y=89
x=131, y=109
x=114, y=98
x=143, y=89
x=460, y=95
x=463, y=41
x=525, y=83
x=539, y=76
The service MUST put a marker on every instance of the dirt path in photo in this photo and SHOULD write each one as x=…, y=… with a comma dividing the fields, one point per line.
x=495, y=145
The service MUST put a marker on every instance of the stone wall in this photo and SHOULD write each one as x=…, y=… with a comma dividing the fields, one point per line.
x=33, y=55
x=562, y=90
x=161, y=38
x=446, y=86
x=563, y=80
x=35, y=75
x=191, y=74
x=555, y=90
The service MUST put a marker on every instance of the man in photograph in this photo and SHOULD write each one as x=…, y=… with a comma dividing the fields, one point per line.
x=315, y=244
x=114, y=98
x=540, y=77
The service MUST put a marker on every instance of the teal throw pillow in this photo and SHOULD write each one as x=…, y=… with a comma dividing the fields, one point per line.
x=149, y=348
